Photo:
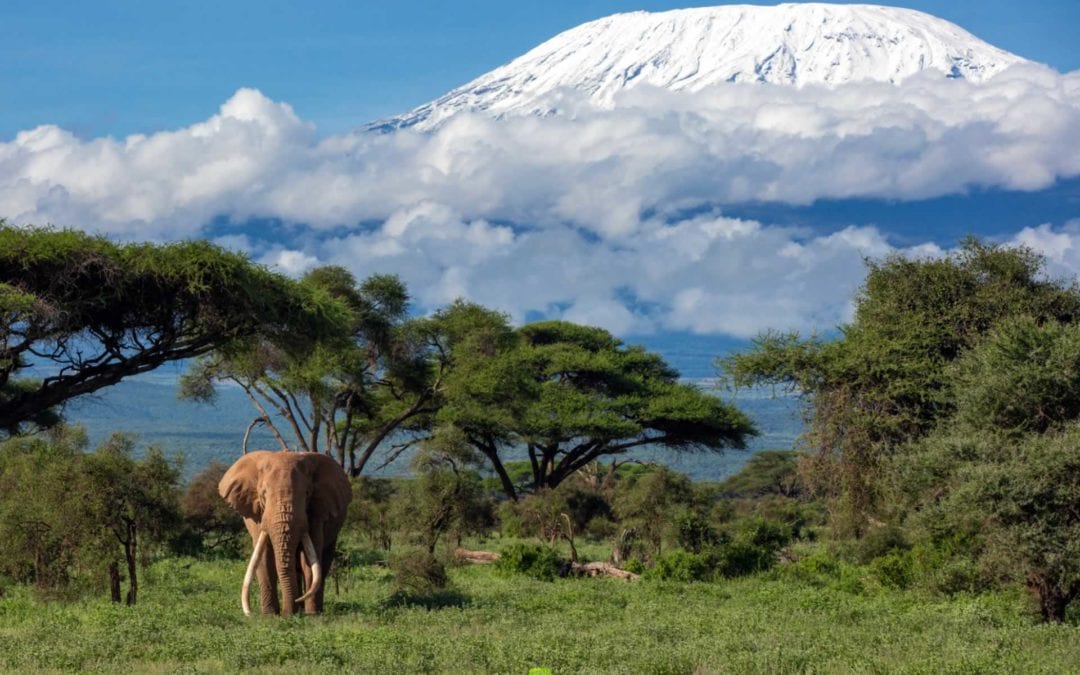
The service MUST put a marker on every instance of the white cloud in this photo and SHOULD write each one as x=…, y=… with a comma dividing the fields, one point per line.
x=434, y=207
x=293, y=263
x=1060, y=246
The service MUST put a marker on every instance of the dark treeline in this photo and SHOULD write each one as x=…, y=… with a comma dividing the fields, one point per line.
x=941, y=451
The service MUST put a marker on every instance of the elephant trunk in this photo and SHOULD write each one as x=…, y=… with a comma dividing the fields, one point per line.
x=286, y=534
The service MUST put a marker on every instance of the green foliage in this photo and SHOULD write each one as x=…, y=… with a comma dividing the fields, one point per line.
x=96, y=311
x=887, y=380
x=822, y=569
x=684, y=566
x=442, y=499
x=370, y=511
x=418, y=573
x=750, y=549
x=879, y=542
x=695, y=534
x=70, y=516
x=571, y=394
x=1030, y=498
x=210, y=527
x=1024, y=378
x=1005, y=503
x=650, y=502
x=531, y=560
x=347, y=391
x=766, y=472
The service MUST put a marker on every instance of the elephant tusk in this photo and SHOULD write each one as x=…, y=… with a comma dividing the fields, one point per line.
x=316, y=569
x=256, y=555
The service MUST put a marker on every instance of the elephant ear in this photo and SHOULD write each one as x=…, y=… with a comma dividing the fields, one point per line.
x=240, y=485
x=331, y=491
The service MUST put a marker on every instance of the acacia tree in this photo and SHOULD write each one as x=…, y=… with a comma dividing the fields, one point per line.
x=1004, y=473
x=886, y=381
x=81, y=313
x=344, y=394
x=564, y=396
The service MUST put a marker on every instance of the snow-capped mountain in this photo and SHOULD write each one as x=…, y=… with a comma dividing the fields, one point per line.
x=690, y=49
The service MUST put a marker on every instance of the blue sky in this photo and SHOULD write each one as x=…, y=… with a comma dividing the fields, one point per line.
x=120, y=67
x=716, y=213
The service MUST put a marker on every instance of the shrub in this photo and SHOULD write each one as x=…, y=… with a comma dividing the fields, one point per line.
x=880, y=542
x=824, y=569
x=768, y=535
x=895, y=569
x=694, y=533
x=683, y=566
x=600, y=528
x=418, y=573
x=739, y=559
x=209, y=525
x=532, y=560
x=648, y=503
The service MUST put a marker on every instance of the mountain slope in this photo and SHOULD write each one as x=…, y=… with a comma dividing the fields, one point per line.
x=689, y=49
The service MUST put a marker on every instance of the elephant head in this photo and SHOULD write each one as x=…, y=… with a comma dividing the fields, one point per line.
x=290, y=502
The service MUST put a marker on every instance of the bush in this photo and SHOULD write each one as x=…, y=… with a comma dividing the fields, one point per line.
x=823, y=569
x=649, y=503
x=683, y=566
x=532, y=560
x=768, y=535
x=209, y=527
x=895, y=569
x=418, y=573
x=752, y=550
x=600, y=528
x=739, y=559
x=880, y=542
x=694, y=533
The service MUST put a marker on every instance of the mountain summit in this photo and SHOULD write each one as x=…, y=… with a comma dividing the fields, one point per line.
x=690, y=49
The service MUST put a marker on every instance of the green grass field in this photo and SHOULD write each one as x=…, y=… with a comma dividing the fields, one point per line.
x=189, y=620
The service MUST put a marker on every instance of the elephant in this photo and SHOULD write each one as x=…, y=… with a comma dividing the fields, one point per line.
x=291, y=502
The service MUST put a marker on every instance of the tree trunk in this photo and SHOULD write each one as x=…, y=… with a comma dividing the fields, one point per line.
x=1052, y=600
x=504, y=478
x=114, y=581
x=130, y=549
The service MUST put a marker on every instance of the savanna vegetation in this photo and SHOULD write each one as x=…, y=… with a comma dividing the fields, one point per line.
x=929, y=521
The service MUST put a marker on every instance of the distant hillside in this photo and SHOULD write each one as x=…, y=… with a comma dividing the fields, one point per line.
x=148, y=406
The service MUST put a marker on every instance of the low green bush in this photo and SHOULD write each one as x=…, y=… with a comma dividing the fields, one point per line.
x=895, y=569
x=418, y=573
x=683, y=566
x=532, y=560
x=824, y=569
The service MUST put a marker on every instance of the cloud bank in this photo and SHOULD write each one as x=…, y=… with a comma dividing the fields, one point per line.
x=581, y=215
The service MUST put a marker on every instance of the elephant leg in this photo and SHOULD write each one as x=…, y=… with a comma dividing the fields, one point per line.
x=314, y=605
x=327, y=559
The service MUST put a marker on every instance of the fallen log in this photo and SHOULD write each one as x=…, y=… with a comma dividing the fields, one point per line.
x=590, y=569
x=478, y=557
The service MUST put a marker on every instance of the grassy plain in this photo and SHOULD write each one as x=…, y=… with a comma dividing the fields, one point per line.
x=188, y=620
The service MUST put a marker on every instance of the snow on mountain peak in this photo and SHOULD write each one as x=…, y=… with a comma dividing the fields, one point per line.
x=690, y=49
